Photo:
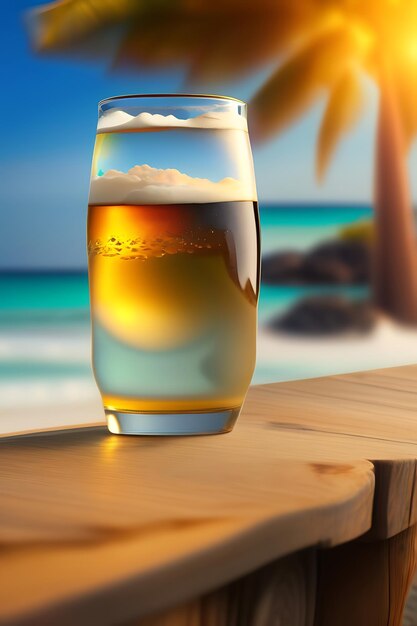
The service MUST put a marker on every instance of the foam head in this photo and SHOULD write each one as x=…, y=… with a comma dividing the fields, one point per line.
x=114, y=121
x=143, y=184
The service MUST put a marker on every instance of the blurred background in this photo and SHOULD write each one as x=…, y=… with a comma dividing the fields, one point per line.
x=333, y=116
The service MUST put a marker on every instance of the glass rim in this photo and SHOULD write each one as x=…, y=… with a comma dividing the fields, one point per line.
x=172, y=95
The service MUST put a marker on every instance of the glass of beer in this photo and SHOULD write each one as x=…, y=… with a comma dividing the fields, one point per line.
x=173, y=250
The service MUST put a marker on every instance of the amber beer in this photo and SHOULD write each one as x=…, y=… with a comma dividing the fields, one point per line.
x=174, y=302
x=173, y=249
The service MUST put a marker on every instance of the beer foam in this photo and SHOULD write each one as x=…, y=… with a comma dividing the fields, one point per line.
x=143, y=184
x=118, y=121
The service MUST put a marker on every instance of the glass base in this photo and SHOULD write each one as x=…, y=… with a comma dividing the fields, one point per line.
x=191, y=423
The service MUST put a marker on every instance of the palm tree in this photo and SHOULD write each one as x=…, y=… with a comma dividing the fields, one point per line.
x=318, y=49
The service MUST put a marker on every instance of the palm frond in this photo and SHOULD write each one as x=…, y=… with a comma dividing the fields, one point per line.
x=214, y=41
x=61, y=25
x=299, y=80
x=343, y=110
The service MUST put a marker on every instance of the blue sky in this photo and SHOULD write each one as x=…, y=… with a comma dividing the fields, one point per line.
x=197, y=153
x=48, y=112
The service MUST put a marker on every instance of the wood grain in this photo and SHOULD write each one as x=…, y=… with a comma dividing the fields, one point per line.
x=279, y=593
x=101, y=528
x=144, y=524
x=365, y=583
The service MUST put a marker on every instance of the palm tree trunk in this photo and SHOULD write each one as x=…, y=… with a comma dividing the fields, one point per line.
x=395, y=248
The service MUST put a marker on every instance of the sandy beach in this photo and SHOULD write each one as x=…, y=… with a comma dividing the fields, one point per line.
x=47, y=380
x=286, y=357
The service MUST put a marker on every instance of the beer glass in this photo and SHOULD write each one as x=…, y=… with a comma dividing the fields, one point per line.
x=173, y=249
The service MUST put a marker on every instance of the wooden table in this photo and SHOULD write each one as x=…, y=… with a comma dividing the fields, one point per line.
x=305, y=514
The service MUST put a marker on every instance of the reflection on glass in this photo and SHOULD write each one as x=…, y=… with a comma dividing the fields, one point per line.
x=173, y=243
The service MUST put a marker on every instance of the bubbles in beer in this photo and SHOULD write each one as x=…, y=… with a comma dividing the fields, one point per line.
x=137, y=248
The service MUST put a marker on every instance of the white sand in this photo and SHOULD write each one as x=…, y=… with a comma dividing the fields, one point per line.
x=47, y=402
x=286, y=357
x=42, y=401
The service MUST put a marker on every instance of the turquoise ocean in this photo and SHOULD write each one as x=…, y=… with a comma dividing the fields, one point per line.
x=33, y=302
